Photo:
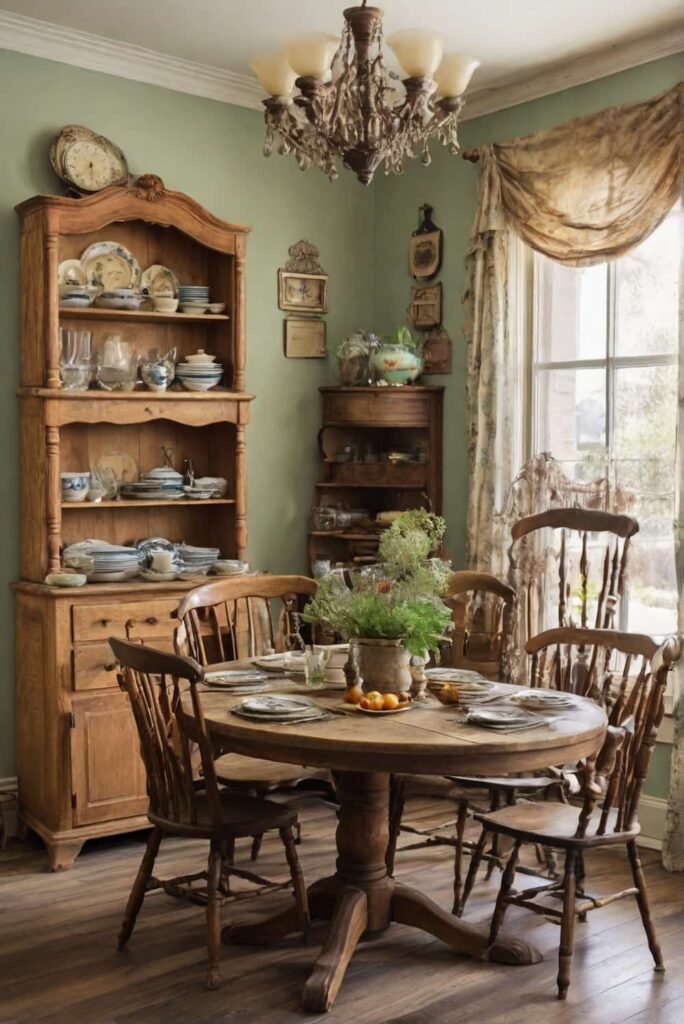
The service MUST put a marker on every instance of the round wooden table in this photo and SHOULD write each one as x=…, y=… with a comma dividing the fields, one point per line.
x=363, y=751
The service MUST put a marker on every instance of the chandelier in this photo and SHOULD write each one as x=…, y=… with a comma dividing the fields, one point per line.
x=350, y=107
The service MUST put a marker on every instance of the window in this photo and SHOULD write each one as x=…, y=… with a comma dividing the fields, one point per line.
x=602, y=394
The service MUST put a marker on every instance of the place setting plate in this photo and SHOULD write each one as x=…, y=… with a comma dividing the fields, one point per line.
x=505, y=719
x=280, y=709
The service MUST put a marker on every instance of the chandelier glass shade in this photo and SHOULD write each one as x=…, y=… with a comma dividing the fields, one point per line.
x=349, y=107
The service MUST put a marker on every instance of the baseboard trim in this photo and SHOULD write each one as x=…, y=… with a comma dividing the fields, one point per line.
x=652, y=815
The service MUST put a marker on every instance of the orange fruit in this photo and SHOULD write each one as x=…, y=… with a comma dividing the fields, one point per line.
x=353, y=695
x=375, y=701
x=390, y=701
x=365, y=703
x=373, y=694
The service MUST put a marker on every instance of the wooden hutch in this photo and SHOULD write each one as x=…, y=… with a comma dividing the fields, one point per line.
x=80, y=774
x=381, y=449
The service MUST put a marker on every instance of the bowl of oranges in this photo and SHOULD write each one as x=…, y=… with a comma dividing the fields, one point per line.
x=376, y=703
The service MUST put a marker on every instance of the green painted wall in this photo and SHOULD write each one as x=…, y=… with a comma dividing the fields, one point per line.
x=450, y=186
x=213, y=152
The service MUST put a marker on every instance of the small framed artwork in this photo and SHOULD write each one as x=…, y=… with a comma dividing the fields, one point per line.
x=304, y=338
x=425, y=252
x=437, y=351
x=425, y=310
x=302, y=293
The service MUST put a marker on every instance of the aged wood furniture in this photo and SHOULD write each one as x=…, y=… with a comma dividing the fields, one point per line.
x=228, y=619
x=575, y=580
x=363, y=752
x=80, y=775
x=612, y=785
x=481, y=610
x=374, y=424
x=179, y=806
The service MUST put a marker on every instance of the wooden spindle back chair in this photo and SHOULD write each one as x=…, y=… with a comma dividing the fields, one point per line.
x=482, y=612
x=576, y=578
x=166, y=706
x=611, y=785
x=233, y=618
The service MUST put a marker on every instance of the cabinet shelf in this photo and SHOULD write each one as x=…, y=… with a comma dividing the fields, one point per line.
x=141, y=395
x=345, y=535
x=132, y=503
x=151, y=315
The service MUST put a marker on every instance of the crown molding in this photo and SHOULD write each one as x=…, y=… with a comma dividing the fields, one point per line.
x=112, y=57
x=575, y=71
x=85, y=50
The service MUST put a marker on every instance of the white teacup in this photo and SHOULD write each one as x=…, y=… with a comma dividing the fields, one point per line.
x=161, y=561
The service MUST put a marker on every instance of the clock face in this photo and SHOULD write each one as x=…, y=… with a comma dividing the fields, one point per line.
x=87, y=161
x=89, y=166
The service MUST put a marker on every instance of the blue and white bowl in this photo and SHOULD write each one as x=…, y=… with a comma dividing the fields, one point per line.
x=75, y=486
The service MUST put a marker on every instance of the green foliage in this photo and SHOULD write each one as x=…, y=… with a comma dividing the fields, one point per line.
x=400, y=598
x=406, y=338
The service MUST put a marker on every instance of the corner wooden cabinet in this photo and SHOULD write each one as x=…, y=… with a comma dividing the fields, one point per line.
x=381, y=449
x=80, y=774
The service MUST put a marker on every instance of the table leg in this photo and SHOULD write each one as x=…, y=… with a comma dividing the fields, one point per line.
x=361, y=898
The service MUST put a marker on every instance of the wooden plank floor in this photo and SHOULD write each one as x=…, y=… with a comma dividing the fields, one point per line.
x=58, y=963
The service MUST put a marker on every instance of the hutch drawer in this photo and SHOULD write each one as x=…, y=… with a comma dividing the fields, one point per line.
x=151, y=618
x=382, y=407
x=95, y=667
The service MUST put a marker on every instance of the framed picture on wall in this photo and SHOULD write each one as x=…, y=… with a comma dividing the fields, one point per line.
x=302, y=293
x=304, y=338
x=425, y=310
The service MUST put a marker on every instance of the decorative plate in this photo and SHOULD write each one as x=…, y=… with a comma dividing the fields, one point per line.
x=158, y=577
x=159, y=280
x=70, y=272
x=122, y=465
x=108, y=265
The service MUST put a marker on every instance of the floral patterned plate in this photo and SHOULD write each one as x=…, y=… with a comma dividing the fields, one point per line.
x=108, y=265
x=159, y=280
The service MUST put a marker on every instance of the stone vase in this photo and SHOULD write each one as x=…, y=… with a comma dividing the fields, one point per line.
x=384, y=665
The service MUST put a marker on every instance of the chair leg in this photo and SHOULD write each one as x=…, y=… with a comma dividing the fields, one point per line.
x=501, y=901
x=457, y=908
x=214, y=914
x=137, y=895
x=256, y=846
x=396, y=810
x=297, y=876
x=494, y=805
x=475, y=861
x=567, y=936
x=644, y=908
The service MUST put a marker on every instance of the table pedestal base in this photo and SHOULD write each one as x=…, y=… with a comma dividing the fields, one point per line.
x=361, y=899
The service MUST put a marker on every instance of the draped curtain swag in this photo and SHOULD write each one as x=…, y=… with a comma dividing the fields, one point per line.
x=581, y=193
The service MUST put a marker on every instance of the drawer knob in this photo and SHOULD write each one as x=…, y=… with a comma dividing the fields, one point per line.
x=110, y=666
x=106, y=622
x=151, y=620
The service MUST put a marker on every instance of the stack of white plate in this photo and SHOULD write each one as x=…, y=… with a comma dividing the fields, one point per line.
x=162, y=484
x=278, y=708
x=103, y=562
x=196, y=561
x=199, y=372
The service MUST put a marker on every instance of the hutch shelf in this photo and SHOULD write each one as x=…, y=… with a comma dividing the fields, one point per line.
x=381, y=450
x=80, y=774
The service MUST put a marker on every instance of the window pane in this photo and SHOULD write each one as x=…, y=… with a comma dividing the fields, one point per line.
x=648, y=293
x=571, y=419
x=644, y=464
x=571, y=312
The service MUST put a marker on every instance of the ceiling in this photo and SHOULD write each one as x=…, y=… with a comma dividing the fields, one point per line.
x=514, y=40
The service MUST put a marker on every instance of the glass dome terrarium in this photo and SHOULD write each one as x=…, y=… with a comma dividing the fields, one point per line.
x=354, y=356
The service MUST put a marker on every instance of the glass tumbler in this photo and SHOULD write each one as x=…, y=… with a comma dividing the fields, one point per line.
x=315, y=661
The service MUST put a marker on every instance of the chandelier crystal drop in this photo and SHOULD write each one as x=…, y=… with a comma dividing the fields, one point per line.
x=350, y=107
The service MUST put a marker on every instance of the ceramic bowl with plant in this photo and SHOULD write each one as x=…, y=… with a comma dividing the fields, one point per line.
x=400, y=359
x=393, y=610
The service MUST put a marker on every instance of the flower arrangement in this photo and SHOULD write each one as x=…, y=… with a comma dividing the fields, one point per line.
x=397, y=600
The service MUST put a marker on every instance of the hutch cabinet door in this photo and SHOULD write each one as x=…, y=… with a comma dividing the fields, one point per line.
x=107, y=773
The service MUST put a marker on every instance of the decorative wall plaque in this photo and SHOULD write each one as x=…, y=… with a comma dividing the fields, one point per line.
x=302, y=282
x=425, y=253
x=304, y=338
x=437, y=351
x=425, y=310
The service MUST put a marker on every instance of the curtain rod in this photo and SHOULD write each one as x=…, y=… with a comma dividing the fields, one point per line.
x=471, y=154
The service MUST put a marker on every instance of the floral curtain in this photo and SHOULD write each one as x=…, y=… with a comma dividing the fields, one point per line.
x=581, y=193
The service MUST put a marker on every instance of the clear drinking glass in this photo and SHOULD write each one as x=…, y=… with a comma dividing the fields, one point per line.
x=315, y=661
x=75, y=361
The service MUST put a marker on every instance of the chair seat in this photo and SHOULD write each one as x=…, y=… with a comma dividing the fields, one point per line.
x=253, y=773
x=241, y=816
x=531, y=783
x=553, y=824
